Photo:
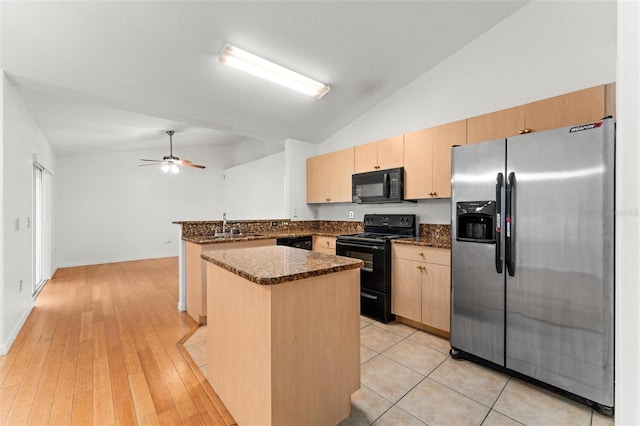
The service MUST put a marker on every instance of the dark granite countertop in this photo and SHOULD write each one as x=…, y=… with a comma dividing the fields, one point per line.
x=422, y=242
x=209, y=239
x=279, y=264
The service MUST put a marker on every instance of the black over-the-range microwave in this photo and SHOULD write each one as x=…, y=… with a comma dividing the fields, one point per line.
x=379, y=186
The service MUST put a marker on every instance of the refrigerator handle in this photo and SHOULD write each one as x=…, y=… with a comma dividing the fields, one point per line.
x=509, y=243
x=498, y=221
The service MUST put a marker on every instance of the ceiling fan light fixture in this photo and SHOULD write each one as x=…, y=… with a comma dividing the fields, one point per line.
x=260, y=67
x=174, y=169
x=165, y=168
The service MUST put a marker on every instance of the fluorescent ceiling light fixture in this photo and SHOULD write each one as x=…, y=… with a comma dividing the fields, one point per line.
x=255, y=65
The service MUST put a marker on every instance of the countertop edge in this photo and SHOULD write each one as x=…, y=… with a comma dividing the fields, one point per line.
x=421, y=242
x=356, y=263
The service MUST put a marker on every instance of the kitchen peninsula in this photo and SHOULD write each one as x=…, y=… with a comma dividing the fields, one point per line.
x=283, y=334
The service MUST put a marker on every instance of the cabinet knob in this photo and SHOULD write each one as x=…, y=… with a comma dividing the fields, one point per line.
x=327, y=243
x=523, y=131
x=527, y=130
x=328, y=199
x=421, y=253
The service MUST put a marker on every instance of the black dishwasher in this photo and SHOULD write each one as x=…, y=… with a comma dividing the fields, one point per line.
x=304, y=242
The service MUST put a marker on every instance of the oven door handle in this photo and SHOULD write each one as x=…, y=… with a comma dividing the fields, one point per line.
x=368, y=296
x=364, y=246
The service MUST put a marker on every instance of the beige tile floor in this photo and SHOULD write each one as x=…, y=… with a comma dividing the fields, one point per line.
x=408, y=378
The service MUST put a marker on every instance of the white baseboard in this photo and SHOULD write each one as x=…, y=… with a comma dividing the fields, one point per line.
x=6, y=345
x=114, y=260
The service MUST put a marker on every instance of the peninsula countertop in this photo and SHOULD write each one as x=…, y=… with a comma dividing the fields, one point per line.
x=279, y=264
x=210, y=239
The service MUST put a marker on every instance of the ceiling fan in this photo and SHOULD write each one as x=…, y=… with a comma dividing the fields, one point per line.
x=169, y=162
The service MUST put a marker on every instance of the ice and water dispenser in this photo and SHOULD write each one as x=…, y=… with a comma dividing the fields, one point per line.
x=476, y=221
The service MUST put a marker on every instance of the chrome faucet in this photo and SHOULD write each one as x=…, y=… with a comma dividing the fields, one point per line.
x=224, y=222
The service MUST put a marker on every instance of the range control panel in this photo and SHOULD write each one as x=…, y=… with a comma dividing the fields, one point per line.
x=389, y=221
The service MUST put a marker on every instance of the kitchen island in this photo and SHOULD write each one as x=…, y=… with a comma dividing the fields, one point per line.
x=283, y=334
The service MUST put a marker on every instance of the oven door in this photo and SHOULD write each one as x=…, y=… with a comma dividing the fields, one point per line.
x=372, y=274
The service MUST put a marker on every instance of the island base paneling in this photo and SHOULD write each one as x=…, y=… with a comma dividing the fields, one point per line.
x=286, y=353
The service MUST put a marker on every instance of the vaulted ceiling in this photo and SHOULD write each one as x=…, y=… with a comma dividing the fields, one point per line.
x=111, y=76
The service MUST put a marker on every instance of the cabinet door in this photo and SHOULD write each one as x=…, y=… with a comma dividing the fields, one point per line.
x=317, y=179
x=495, y=125
x=324, y=244
x=366, y=157
x=391, y=152
x=436, y=296
x=418, y=165
x=406, y=276
x=340, y=169
x=581, y=107
x=443, y=138
x=610, y=100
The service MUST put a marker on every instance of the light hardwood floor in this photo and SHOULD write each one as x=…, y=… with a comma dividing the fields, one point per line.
x=101, y=347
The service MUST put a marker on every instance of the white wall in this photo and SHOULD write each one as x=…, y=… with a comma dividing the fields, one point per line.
x=109, y=209
x=628, y=216
x=21, y=139
x=255, y=190
x=542, y=50
x=253, y=149
x=4, y=344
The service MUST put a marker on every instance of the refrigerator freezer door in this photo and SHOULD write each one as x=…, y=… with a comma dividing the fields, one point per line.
x=477, y=286
x=560, y=299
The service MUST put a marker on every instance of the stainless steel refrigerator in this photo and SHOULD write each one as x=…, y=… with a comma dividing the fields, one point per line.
x=532, y=270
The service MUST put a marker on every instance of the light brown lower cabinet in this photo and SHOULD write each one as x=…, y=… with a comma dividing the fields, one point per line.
x=324, y=244
x=421, y=285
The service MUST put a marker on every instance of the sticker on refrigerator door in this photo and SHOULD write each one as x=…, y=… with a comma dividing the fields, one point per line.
x=508, y=223
x=585, y=127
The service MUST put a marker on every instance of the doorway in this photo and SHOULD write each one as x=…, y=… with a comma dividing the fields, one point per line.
x=39, y=220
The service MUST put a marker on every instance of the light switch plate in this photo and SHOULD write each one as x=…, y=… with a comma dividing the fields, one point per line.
x=350, y=214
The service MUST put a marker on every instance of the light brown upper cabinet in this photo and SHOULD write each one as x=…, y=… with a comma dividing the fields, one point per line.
x=380, y=155
x=329, y=177
x=427, y=160
x=582, y=106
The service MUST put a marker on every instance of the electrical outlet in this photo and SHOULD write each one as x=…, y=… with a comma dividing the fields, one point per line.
x=350, y=214
x=274, y=223
x=20, y=286
x=17, y=224
x=295, y=212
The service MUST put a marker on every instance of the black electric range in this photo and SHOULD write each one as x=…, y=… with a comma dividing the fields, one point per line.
x=373, y=247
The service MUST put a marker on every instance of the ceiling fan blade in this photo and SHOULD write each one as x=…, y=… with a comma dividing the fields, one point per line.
x=190, y=164
x=144, y=165
x=154, y=161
